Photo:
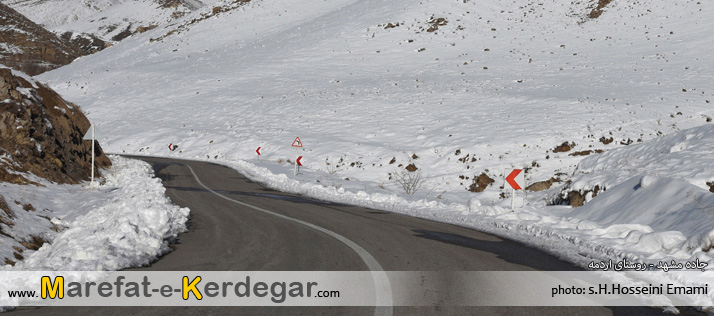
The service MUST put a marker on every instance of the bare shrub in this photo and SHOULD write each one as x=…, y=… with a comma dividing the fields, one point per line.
x=410, y=182
x=331, y=167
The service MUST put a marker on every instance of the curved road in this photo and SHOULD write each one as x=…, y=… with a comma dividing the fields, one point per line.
x=239, y=225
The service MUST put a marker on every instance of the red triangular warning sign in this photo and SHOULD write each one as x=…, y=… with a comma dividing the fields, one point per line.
x=297, y=142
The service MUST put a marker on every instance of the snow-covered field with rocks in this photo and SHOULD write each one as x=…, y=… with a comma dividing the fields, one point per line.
x=617, y=109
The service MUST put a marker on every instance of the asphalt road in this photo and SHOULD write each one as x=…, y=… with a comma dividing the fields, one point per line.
x=239, y=225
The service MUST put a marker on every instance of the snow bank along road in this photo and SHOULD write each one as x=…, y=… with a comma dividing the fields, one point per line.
x=239, y=225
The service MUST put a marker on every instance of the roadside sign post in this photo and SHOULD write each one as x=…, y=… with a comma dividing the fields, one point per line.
x=90, y=135
x=297, y=143
x=516, y=180
x=258, y=152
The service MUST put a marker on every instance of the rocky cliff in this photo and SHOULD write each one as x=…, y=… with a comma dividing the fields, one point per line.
x=41, y=134
x=29, y=47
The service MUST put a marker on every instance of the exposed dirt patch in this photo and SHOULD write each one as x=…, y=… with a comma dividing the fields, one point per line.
x=598, y=10
x=28, y=207
x=411, y=168
x=564, y=147
x=606, y=141
x=34, y=243
x=711, y=186
x=142, y=29
x=586, y=152
x=480, y=183
x=542, y=185
x=123, y=34
x=87, y=43
x=170, y=3
x=6, y=214
x=391, y=25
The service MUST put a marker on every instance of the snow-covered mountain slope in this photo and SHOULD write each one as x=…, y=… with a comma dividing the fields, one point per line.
x=111, y=20
x=496, y=86
x=454, y=89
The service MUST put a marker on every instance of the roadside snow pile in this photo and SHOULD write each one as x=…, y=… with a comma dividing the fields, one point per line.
x=663, y=185
x=125, y=222
x=685, y=155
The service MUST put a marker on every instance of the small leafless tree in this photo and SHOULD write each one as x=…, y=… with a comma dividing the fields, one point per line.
x=410, y=182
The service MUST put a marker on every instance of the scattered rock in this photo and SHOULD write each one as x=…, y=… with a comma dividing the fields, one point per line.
x=480, y=183
x=711, y=186
x=564, y=147
x=435, y=23
x=577, y=198
x=606, y=141
x=411, y=168
x=542, y=185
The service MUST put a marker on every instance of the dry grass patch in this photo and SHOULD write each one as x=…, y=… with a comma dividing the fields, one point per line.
x=35, y=243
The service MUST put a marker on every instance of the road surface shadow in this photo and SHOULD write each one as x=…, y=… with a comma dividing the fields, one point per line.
x=514, y=253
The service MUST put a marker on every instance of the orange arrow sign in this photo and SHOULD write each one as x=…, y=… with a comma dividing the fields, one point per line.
x=514, y=180
x=258, y=151
x=298, y=161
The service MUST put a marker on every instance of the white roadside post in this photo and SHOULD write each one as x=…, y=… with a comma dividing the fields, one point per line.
x=516, y=180
x=90, y=135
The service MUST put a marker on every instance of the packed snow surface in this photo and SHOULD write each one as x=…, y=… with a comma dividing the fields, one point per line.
x=454, y=88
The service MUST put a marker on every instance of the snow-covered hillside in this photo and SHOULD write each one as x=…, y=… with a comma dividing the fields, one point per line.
x=111, y=20
x=454, y=88
x=498, y=86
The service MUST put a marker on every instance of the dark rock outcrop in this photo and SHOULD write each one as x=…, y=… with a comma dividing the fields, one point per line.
x=41, y=134
x=29, y=47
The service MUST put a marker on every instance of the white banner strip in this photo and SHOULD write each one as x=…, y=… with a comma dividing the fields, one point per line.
x=319, y=288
